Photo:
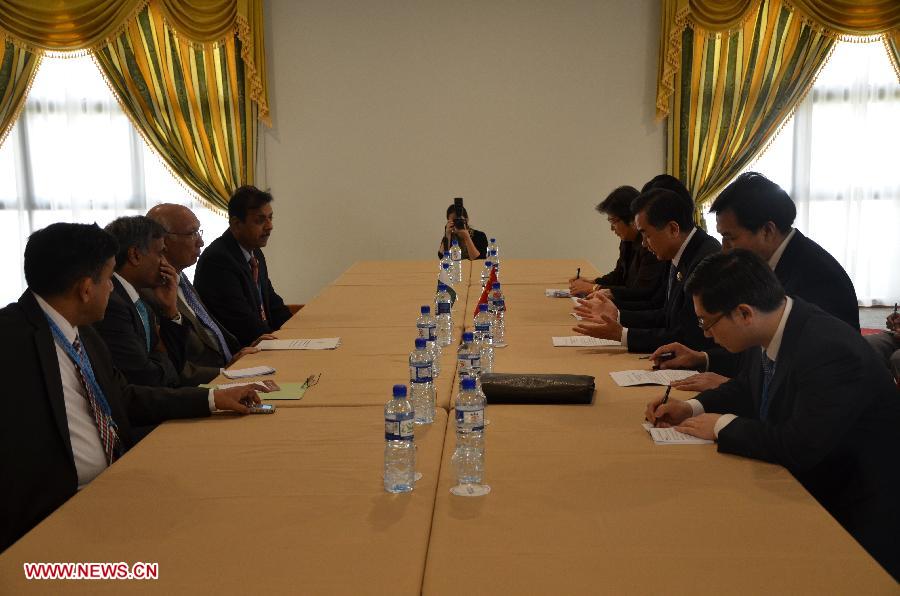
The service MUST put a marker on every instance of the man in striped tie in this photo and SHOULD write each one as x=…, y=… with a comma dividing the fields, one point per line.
x=130, y=327
x=69, y=413
x=208, y=346
x=810, y=396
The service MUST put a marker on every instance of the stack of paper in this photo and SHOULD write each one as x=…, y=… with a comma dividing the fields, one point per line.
x=557, y=293
x=630, y=378
x=241, y=373
x=670, y=436
x=583, y=341
x=324, y=343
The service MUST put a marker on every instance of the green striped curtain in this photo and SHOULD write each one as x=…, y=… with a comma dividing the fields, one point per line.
x=189, y=101
x=17, y=68
x=733, y=91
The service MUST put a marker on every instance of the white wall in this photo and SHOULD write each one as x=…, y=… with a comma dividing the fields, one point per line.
x=384, y=110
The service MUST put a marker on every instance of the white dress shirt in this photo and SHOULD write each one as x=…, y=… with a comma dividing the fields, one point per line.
x=674, y=265
x=770, y=350
x=776, y=256
x=90, y=459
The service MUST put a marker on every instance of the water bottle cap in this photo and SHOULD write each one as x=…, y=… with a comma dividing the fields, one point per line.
x=496, y=285
x=487, y=264
x=493, y=239
x=493, y=253
x=445, y=265
x=482, y=307
x=399, y=390
x=442, y=287
x=467, y=384
x=455, y=242
x=420, y=343
x=468, y=336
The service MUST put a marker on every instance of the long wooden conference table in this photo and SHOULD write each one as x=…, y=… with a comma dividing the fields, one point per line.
x=582, y=500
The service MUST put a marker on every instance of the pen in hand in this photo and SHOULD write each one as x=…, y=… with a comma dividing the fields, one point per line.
x=663, y=402
x=578, y=274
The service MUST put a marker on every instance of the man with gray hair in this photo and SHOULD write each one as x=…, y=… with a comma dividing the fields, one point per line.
x=130, y=328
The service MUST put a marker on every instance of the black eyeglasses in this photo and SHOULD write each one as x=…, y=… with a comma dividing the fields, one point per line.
x=707, y=326
x=197, y=234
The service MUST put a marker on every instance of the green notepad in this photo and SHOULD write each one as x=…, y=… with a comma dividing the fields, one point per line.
x=288, y=391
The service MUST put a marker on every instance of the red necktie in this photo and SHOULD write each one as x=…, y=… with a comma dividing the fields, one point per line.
x=254, y=270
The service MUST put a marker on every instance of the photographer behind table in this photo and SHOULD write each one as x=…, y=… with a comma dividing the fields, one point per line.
x=472, y=242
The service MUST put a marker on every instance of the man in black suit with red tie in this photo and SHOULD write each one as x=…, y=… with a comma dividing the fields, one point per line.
x=71, y=413
x=232, y=278
x=809, y=396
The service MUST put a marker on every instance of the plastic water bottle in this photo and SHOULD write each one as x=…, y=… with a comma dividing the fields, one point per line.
x=498, y=330
x=456, y=262
x=426, y=328
x=468, y=458
x=493, y=246
x=486, y=273
x=421, y=382
x=442, y=306
x=494, y=298
x=468, y=357
x=446, y=274
x=495, y=259
x=399, y=445
x=484, y=323
x=444, y=258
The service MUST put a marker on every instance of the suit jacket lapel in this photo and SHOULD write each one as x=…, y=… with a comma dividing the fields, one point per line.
x=235, y=249
x=136, y=322
x=46, y=349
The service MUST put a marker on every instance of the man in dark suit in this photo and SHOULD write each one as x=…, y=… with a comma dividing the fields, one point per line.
x=809, y=396
x=638, y=275
x=666, y=223
x=208, y=346
x=72, y=412
x=232, y=277
x=755, y=214
x=130, y=328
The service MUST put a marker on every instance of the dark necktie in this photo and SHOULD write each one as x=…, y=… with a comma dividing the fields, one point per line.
x=145, y=319
x=203, y=316
x=254, y=270
x=672, y=270
x=768, y=370
x=109, y=436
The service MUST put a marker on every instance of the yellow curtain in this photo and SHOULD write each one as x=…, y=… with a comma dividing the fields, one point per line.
x=732, y=71
x=189, y=101
x=17, y=68
x=190, y=73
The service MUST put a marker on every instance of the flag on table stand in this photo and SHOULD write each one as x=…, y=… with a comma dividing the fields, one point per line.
x=487, y=289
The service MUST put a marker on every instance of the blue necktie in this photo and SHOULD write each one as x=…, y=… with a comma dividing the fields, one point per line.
x=145, y=318
x=203, y=316
x=768, y=370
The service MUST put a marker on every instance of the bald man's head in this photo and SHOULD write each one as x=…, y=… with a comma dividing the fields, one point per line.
x=184, y=238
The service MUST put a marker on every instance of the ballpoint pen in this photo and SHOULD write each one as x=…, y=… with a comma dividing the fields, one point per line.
x=578, y=274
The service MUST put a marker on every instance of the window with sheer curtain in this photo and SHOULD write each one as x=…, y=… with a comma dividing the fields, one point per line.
x=838, y=159
x=74, y=156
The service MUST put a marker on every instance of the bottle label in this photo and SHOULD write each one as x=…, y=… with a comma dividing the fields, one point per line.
x=420, y=373
x=427, y=332
x=443, y=308
x=400, y=428
x=483, y=329
x=470, y=419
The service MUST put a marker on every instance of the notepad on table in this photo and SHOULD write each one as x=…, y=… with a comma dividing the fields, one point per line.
x=630, y=378
x=583, y=341
x=557, y=293
x=324, y=343
x=670, y=436
x=241, y=373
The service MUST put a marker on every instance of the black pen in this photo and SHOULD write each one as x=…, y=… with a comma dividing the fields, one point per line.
x=895, y=304
x=664, y=400
x=578, y=274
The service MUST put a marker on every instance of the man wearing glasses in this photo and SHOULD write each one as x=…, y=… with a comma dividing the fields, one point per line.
x=209, y=347
x=809, y=396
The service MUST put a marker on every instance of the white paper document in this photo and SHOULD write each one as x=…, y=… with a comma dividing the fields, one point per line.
x=324, y=343
x=241, y=373
x=583, y=341
x=630, y=378
x=670, y=436
x=557, y=293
